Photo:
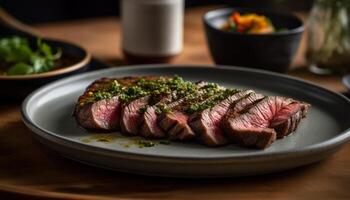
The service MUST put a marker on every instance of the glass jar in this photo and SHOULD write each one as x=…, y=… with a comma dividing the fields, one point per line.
x=328, y=46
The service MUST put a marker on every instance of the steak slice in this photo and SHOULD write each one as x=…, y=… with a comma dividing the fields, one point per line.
x=287, y=119
x=255, y=127
x=131, y=115
x=149, y=126
x=174, y=122
x=103, y=114
x=207, y=122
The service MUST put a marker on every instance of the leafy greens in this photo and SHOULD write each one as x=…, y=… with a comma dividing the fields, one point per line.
x=17, y=57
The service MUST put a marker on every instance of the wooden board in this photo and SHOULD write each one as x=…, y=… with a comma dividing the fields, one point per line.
x=30, y=171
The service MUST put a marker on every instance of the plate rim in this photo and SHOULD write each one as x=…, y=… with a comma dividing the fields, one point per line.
x=336, y=141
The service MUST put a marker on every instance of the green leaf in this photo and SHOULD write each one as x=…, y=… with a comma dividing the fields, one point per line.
x=20, y=69
x=45, y=49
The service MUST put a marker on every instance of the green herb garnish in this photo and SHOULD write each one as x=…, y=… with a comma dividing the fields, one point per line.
x=145, y=143
x=162, y=108
x=99, y=95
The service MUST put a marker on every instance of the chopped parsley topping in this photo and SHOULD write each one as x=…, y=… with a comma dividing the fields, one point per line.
x=175, y=86
x=102, y=95
x=132, y=93
x=195, y=98
x=162, y=108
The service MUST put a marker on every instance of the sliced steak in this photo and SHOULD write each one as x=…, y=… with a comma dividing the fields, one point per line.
x=131, y=115
x=149, y=126
x=207, y=122
x=174, y=108
x=253, y=128
x=102, y=114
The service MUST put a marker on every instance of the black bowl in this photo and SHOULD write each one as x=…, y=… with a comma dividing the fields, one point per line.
x=273, y=51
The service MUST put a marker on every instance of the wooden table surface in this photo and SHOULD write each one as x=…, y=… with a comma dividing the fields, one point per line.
x=29, y=171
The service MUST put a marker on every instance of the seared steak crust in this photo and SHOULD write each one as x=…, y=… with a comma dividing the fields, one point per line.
x=254, y=137
x=246, y=103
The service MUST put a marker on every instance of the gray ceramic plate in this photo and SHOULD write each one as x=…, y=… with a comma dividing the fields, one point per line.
x=48, y=113
x=346, y=81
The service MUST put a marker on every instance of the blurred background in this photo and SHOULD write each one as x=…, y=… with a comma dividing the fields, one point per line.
x=38, y=11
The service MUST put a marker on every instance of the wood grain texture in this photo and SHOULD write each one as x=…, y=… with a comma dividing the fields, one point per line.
x=30, y=171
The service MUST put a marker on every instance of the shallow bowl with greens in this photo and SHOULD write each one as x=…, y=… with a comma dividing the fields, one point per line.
x=27, y=62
